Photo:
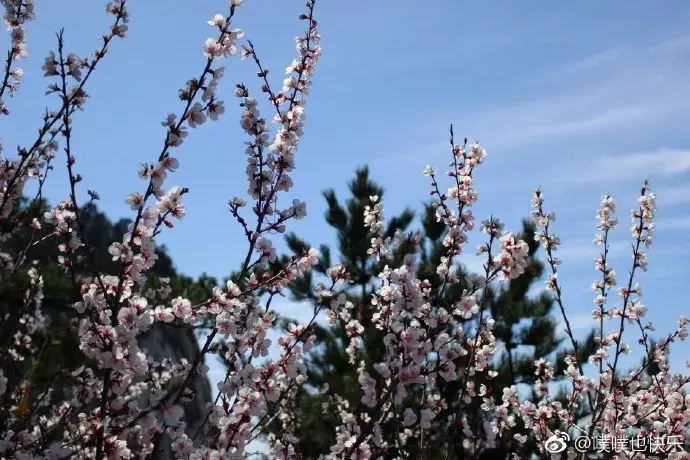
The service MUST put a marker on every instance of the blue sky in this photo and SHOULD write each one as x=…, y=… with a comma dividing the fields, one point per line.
x=582, y=98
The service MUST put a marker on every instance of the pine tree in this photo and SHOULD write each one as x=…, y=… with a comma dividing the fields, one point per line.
x=331, y=365
x=524, y=324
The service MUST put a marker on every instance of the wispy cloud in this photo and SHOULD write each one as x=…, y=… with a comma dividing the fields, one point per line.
x=665, y=162
x=608, y=96
x=668, y=196
x=674, y=223
x=625, y=56
x=590, y=63
x=578, y=321
x=615, y=90
x=585, y=251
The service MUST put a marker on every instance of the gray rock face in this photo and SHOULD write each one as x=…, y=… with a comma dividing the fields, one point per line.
x=177, y=343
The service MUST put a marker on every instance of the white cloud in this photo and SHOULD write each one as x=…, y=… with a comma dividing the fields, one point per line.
x=669, y=196
x=674, y=223
x=624, y=56
x=665, y=162
x=590, y=63
x=581, y=251
x=619, y=104
x=628, y=92
x=615, y=90
x=578, y=321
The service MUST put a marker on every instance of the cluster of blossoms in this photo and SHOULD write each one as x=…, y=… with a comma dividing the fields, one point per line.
x=17, y=14
x=124, y=404
x=637, y=404
x=423, y=341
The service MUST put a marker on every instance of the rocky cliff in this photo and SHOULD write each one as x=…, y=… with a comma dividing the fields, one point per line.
x=177, y=343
